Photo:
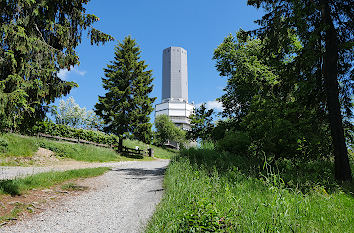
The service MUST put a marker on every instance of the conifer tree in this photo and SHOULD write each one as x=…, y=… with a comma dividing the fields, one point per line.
x=126, y=106
x=37, y=40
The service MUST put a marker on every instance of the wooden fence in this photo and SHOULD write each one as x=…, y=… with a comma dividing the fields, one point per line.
x=74, y=140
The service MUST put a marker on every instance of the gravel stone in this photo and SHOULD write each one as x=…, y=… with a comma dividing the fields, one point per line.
x=121, y=200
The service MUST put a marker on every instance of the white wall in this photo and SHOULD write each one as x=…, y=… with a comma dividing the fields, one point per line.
x=174, y=73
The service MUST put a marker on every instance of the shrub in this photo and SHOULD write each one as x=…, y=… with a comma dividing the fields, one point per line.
x=69, y=132
x=235, y=142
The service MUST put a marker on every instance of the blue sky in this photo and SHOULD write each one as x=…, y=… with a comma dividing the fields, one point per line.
x=196, y=25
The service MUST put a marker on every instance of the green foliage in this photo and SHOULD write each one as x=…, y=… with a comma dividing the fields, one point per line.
x=69, y=132
x=268, y=103
x=126, y=106
x=202, y=216
x=230, y=193
x=234, y=142
x=47, y=179
x=201, y=124
x=167, y=130
x=80, y=152
x=37, y=40
x=322, y=64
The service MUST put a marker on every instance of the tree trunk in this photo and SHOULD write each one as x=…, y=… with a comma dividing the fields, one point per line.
x=330, y=72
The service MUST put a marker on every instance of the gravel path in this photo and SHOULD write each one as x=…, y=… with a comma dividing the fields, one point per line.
x=122, y=201
x=13, y=172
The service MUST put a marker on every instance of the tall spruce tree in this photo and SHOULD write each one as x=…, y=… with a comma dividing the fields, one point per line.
x=126, y=106
x=37, y=39
x=325, y=29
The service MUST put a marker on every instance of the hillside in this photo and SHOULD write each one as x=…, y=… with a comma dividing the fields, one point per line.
x=18, y=150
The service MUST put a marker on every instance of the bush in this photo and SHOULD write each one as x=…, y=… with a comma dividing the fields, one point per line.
x=69, y=132
x=234, y=142
x=3, y=145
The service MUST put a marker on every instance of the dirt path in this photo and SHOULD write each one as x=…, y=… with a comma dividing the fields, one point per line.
x=122, y=200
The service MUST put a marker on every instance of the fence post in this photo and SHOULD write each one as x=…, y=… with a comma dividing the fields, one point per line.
x=120, y=145
x=151, y=152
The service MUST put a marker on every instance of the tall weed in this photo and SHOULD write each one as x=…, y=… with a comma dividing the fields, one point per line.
x=209, y=191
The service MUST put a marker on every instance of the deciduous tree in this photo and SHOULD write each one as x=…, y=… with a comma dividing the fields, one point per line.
x=268, y=103
x=325, y=29
x=71, y=114
x=201, y=124
x=166, y=130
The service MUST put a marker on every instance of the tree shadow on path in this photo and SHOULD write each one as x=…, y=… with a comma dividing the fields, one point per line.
x=142, y=173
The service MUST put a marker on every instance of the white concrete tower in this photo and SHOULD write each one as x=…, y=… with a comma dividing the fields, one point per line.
x=175, y=87
x=174, y=74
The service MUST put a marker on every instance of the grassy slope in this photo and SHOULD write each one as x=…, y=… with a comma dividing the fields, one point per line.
x=46, y=179
x=20, y=146
x=81, y=152
x=207, y=191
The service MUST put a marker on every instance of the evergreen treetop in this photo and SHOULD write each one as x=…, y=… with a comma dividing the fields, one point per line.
x=126, y=106
x=37, y=39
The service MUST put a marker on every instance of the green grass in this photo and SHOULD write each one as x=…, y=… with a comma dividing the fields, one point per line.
x=80, y=152
x=209, y=191
x=25, y=147
x=19, y=145
x=46, y=179
x=162, y=153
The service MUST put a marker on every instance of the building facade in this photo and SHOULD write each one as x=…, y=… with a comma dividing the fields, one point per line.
x=175, y=87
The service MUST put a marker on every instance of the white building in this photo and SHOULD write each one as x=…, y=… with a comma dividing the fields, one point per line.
x=175, y=87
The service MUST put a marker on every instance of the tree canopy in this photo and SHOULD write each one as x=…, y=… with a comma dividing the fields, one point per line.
x=201, y=124
x=325, y=30
x=266, y=103
x=166, y=130
x=38, y=38
x=71, y=114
